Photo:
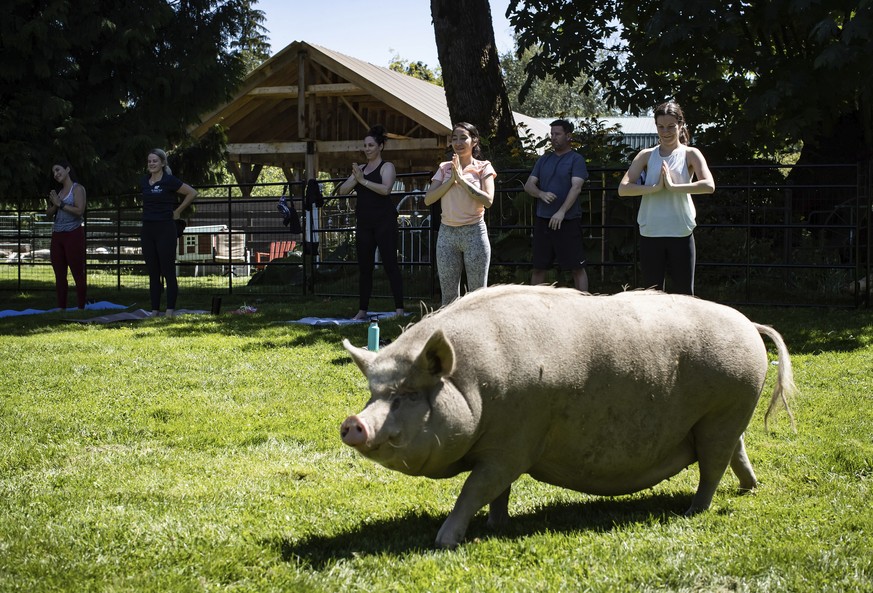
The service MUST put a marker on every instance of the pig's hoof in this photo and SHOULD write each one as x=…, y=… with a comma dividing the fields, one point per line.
x=446, y=545
x=693, y=510
x=497, y=520
x=447, y=539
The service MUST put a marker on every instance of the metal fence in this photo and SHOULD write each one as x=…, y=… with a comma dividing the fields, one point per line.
x=770, y=235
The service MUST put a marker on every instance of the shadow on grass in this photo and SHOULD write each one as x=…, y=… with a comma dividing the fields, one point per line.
x=416, y=532
x=806, y=330
x=812, y=331
x=271, y=323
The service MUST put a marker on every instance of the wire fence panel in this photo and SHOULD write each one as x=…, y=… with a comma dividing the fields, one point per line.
x=774, y=235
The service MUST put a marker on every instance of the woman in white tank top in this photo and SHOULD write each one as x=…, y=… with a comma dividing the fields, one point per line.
x=666, y=176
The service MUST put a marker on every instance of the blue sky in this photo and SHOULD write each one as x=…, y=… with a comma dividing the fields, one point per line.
x=371, y=31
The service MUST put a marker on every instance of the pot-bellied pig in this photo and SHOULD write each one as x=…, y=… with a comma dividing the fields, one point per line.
x=606, y=395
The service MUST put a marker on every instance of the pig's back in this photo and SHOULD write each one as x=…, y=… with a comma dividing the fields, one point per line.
x=556, y=336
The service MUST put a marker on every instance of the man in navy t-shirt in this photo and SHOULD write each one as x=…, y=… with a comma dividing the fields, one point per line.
x=555, y=182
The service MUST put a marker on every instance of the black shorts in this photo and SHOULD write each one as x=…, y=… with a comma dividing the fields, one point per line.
x=563, y=245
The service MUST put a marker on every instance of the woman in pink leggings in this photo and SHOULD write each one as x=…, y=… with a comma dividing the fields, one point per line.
x=67, y=205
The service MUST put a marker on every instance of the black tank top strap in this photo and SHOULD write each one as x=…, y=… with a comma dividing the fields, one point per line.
x=376, y=173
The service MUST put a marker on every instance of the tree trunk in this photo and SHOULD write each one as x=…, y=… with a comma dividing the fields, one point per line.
x=474, y=84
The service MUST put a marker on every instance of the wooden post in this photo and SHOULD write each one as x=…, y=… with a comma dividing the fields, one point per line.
x=246, y=175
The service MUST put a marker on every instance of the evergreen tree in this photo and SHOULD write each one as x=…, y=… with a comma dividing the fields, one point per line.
x=252, y=43
x=100, y=82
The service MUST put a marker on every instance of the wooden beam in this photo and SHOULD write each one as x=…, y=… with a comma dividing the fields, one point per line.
x=333, y=146
x=246, y=175
x=355, y=113
x=321, y=90
x=302, y=130
x=267, y=148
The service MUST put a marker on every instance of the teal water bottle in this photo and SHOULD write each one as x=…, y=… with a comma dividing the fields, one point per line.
x=373, y=337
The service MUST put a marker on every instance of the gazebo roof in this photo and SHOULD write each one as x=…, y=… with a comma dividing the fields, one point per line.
x=270, y=122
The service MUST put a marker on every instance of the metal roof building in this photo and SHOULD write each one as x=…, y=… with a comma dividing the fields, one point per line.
x=636, y=132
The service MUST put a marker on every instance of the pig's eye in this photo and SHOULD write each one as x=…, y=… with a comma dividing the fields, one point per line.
x=399, y=399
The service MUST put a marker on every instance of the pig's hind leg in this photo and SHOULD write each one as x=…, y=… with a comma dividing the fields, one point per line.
x=742, y=467
x=716, y=447
x=498, y=510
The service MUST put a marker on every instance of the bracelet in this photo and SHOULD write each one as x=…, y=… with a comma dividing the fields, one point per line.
x=61, y=206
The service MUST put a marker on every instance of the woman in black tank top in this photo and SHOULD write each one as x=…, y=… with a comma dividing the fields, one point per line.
x=375, y=220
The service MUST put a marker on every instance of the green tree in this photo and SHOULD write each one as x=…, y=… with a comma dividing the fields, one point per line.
x=475, y=91
x=546, y=97
x=252, y=42
x=762, y=73
x=418, y=70
x=101, y=82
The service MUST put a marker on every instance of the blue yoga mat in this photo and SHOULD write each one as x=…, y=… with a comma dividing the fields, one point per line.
x=338, y=321
x=137, y=315
x=98, y=306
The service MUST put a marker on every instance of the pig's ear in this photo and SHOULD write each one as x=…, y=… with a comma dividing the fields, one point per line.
x=361, y=356
x=436, y=359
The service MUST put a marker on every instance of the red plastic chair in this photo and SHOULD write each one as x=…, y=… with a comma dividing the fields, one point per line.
x=277, y=249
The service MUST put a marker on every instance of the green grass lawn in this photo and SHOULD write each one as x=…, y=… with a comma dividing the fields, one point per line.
x=203, y=454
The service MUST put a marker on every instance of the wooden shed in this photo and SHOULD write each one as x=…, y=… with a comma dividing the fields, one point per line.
x=307, y=109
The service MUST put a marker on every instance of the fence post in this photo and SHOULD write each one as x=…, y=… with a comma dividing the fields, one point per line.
x=118, y=247
x=865, y=213
x=230, y=240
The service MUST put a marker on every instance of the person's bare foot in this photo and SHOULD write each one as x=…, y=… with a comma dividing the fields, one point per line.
x=361, y=316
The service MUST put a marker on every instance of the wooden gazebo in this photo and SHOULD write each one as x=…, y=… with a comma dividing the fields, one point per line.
x=307, y=108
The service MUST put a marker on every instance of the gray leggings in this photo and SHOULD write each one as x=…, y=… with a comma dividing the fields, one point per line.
x=460, y=247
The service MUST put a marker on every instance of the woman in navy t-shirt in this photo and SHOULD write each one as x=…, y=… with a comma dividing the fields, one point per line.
x=160, y=211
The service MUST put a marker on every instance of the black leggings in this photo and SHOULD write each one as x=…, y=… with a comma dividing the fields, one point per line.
x=159, y=243
x=676, y=255
x=383, y=235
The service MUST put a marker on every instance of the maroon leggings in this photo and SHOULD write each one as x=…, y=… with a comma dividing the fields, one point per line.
x=68, y=250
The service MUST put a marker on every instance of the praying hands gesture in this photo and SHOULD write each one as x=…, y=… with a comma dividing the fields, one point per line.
x=484, y=195
x=457, y=174
x=358, y=172
x=666, y=180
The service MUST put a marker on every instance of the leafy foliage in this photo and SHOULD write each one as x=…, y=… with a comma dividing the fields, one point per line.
x=597, y=142
x=547, y=97
x=418, y=70
x=101, y=82
x=762, y=73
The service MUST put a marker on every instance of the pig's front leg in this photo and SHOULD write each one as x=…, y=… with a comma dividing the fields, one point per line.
x=483, y=485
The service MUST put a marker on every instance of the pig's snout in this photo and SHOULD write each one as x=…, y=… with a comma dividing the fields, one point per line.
x=353, y=431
